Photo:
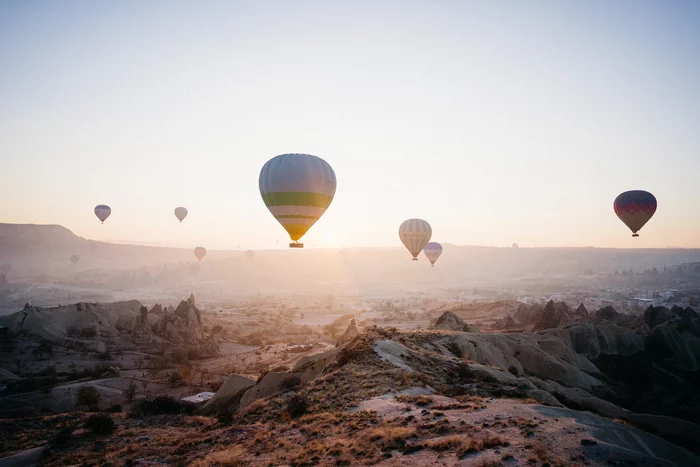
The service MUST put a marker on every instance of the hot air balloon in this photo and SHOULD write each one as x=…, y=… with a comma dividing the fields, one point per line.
x=297, y=189
x=75, y=259
x=102, y=211
x=432, y=251
x=635, y=208
x=181, y=213
x=199, y=252
x=5, y=267
x=515, y=245
x=415, y=234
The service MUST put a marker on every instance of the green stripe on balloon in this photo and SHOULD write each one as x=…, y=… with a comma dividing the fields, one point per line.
x=295, y=216
x=295, y=198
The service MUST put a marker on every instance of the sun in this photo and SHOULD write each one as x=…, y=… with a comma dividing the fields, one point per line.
x=329, y=239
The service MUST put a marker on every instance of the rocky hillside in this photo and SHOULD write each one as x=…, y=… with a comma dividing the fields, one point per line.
x=123, y=325
x=393, y=397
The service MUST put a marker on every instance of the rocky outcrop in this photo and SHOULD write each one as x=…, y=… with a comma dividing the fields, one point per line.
x=270, y=384
x=677, y=344
x=183, y=326
x=350, y=333
x=229, y=394
x=655, y=316
x=610, y=314
x=312, y=366
x=581, y=312
x=527, y=315
x=552, y=316
x=451, y=322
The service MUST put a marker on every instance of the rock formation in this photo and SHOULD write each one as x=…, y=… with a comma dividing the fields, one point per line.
x=350, y=333
x=552, y=316
x=451, y=322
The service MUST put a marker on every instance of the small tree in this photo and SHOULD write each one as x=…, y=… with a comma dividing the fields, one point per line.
x=88, y=396
x=130, y=391
x=173, y=379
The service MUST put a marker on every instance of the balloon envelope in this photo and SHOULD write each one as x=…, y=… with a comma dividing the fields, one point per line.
x=415, y=234
x=432, y=251
x=297, y=189
x=515, y=245
x=180, y=213
x=635, y=208
x=75, y=259
x=102, y=211
x=199, y=252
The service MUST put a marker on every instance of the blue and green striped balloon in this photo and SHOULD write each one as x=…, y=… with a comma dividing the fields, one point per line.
x=297, y=189
x=415, y=234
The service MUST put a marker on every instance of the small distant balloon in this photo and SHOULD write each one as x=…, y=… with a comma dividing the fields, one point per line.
x=515, y=245
x=200, y=252
x=181, y=213
x=102, y=211
x=5, y=267
x=432, y=251
x=75, y=259
x=415, y=234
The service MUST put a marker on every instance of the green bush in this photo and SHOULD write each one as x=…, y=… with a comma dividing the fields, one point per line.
x=297, y=406
x=100, y=424
x=87, y=396
x=161, y=405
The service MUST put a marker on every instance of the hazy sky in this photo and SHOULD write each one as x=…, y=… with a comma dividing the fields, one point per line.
x=497, y=122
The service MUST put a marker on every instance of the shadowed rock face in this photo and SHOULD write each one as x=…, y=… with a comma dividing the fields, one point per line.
x=451, y=322
x=552, y=316
x=350, y=333
x=654, y=316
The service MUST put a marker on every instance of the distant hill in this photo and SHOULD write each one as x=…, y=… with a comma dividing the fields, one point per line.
x=45, y=249
x=34, y=249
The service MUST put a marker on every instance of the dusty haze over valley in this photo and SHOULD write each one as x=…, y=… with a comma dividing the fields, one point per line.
x=364, y=233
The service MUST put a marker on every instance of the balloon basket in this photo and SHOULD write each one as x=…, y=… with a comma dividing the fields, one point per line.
x=415, y=259
x=296, y=245
x=635, y=235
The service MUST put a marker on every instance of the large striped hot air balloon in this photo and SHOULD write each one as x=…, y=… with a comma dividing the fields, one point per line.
x=415, y=234
x=180, y=213
x=102, y=211
x=635, y=208
x=297, y=189
x=200, y=252
x=432, y=251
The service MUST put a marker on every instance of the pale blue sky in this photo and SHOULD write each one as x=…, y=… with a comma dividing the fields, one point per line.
x=495, y=121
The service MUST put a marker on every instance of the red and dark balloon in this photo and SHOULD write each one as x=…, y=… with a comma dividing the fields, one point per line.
x=635, y=208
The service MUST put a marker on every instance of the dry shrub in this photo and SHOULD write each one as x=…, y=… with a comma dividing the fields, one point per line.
x=541, y=451
x=387, y=438
x=445, y=444
x=485, y=442
x=232, y=457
